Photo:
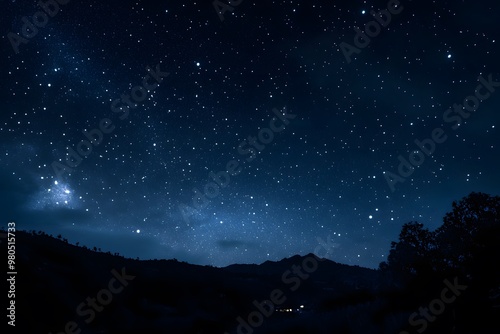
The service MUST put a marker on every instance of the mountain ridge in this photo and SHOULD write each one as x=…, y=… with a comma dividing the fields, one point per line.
x=65, y=275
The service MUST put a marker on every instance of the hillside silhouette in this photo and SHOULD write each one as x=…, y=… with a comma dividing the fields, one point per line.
x=64, y=288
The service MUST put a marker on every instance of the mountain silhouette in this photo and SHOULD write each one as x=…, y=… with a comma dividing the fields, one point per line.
x=431, y=283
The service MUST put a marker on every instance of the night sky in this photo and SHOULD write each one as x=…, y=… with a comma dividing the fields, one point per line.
x=161, y=97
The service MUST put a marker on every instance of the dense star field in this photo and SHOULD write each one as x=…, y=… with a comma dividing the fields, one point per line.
x=220, y=134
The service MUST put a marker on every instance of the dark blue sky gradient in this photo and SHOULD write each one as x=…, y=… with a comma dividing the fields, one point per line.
x=319, y=176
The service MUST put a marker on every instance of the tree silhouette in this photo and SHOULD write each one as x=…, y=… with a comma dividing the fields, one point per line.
x=410, y=254
x=468, y=236
x=459, y=238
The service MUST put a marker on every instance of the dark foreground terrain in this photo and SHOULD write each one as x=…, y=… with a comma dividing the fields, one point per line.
x=447, y=281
